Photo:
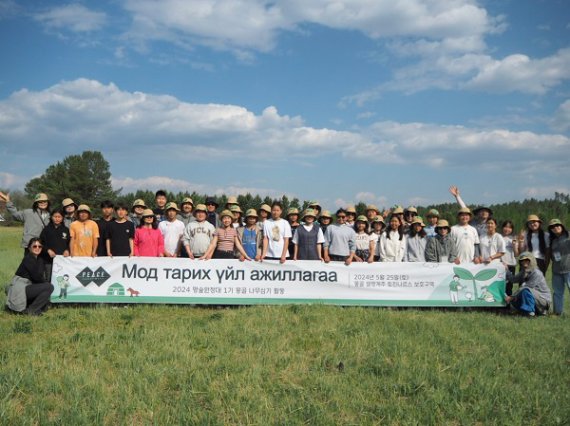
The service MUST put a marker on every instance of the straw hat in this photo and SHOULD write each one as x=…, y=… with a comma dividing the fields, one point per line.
x=227, y=213
x=147, y=213
x=442, y=223
x=232, y=200
x=139, y=203
x=292, y=210
x=362, y=218
x=251, y=213
x=418, y=219
x=236, y=209
x=187, y=200
x=398, y=210
x=411, y=209
x=463, y=210
x=533, y=218
x=326, y=214
x=68, y=202
x=171, y=206
x=200, y=208
x=83, y=208
x=265, y=208
x=309, y=212
x=351, y=210
x=40, y=197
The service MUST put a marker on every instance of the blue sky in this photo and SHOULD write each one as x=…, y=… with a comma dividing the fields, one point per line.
x=380, y=101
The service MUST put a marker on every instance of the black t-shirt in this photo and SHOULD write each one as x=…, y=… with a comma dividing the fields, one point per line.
x=56, y=239
x=103, y=235
x=120, y=234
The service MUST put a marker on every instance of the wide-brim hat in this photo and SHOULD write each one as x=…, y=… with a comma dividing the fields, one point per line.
x=418, y=219
x=372, y=207
x=236, y=209
x=265, y=208
x=464, y=210
x=68, y=202
x=411, y=209
x=227, y=213
x=84, y=208
x=478, y=209
x=187, y=200
x=555, y=222
x=200, y=208
x=232, y=200
x=379, y=219
x=171, y=206
x=442, y=223
x=362, y=218
x=251, y=213
x=139, y=203
x=326, y=214
x=41, y=197
x=533, y=218
x=211, y=200
x=351, y=210
x=292, y=210
x=309, y=212
x=433, y=213
x=398, y=210
x=314, y=204
x=148, y=213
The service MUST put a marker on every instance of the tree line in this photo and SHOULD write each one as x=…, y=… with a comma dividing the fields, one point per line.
x=86, y=178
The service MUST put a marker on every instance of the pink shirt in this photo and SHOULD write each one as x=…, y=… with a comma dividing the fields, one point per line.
x=148, y=242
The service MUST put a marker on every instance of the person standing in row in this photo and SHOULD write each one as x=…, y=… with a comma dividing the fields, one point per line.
x=416, y=241
x=250, y=236
x=211, y=215
x=107, y=209
x=340, y=240
x=293, y=219
x=120, y=234
x=432, y=218
x=28, y=291
x=264, y=212
x=492, y=244
x=148, y=240
x=325, y=219
x=70, y=211
x=364, y=243
x=535, y=240
x=276, y=235
x=186, y=215
x=225, y=241
x=441, y=248
x=137, y=211
x=378, y=227
x=160, y=201
x=309, y=239
x=172, y=230
x=198, y=235
x=393, y=241
x=465, y=238
x=55, y=240
x=84, y=234
x=560, y=249
x=34, y=219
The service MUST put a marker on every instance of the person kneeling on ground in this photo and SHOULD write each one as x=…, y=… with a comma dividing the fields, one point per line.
x=533, y=295
x=29, y=292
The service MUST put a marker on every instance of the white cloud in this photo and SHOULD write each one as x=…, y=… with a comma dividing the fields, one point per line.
x=546, y=191
x=10, y=180
x=91, y=115
x=248, y=25
x=72, y=17
x=561, y=120
x=129, y=184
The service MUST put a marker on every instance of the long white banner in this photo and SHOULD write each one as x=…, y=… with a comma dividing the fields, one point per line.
x=230, y=282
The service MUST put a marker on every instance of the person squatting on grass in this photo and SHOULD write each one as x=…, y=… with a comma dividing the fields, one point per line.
x=28, y=291
x=533, y=296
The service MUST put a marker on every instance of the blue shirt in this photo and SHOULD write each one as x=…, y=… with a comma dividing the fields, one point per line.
x=250, y=242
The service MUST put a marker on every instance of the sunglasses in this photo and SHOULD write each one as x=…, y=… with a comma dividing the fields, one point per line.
x=341, y=217
x=37, y=246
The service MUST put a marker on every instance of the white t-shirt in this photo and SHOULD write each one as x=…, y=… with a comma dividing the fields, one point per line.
x=276, y=231
x=392, y=249
x=363, y=241
x=490, y=246
x=376, y=238
x=172, y=233
x=465, y=238
x=309, y=228
x=536, y=244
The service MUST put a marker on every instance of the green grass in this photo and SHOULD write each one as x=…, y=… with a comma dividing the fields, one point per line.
x=278, y=365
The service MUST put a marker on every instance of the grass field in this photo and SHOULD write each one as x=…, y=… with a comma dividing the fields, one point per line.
x=278, y=365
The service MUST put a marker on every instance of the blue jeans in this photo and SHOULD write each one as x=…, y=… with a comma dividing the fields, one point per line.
x=559, y=282
x=524, y=301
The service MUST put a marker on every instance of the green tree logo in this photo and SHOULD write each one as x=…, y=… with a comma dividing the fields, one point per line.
x=484, y=275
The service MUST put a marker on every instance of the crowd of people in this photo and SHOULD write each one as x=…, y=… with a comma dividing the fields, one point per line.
x=206, y=231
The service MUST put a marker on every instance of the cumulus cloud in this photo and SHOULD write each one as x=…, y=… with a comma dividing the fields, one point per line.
x=254, y=25
x=89, y=114
x=10, y=180
x=72, y=17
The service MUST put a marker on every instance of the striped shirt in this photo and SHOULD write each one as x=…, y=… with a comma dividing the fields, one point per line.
x=226, y=238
